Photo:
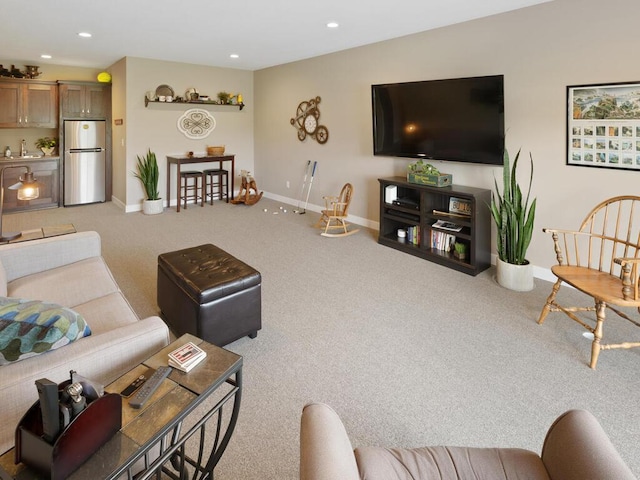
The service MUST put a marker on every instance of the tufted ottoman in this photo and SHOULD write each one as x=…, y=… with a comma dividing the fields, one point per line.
x=209, y=293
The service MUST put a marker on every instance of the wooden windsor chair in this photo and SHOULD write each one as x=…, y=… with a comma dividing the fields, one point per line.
x=600, y=260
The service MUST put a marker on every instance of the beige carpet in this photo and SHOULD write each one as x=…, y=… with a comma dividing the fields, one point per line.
x=408, y=352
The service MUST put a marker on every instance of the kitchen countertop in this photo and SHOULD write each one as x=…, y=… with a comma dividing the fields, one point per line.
x=28, y=159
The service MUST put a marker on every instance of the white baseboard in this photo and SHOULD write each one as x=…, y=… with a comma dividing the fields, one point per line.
x=316, y=208
x=538, y=272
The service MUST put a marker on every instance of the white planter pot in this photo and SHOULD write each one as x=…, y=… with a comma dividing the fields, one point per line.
x=515, y=277
x=152, y=207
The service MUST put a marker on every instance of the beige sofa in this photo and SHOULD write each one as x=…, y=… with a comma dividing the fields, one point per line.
x=69, y=270
x=576, y=448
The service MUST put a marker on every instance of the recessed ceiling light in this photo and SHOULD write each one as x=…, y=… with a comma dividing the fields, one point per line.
x=234, y=55
x=45, y=56
x=84, y=34
x=332, y=25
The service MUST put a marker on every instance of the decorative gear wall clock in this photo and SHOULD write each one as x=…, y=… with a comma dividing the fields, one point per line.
x=196, y=123
x=306, y=121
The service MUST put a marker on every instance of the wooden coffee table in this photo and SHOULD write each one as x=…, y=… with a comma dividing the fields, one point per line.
x=152, y=439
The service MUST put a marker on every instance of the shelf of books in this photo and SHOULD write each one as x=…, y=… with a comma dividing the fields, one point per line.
x=447, y=225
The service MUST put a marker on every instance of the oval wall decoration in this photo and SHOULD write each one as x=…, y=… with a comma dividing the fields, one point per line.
x=196, y=123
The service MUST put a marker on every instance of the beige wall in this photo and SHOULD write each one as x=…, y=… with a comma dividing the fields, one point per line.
x=540, y=50
x=119, y=175
x=155, y=126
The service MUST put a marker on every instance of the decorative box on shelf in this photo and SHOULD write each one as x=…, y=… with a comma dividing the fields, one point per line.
x=440, y=180
x=422, y=173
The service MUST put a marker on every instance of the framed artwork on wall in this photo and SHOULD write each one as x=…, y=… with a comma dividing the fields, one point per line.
x=603, y=125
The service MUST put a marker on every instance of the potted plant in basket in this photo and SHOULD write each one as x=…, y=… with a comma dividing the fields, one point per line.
x=460, y=250
x=514, y=217
x=147, y=172
x=47, y=145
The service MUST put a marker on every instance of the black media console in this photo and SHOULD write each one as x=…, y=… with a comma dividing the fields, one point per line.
x=418, y=207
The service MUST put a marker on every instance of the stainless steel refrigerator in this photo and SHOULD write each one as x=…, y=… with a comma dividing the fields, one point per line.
x=84, y=170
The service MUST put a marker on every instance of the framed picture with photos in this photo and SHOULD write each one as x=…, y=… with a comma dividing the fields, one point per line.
x=603, y=125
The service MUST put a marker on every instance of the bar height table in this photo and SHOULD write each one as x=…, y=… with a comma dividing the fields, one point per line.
x=184, y=160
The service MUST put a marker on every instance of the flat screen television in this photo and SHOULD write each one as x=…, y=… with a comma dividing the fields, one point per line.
x=459, y=119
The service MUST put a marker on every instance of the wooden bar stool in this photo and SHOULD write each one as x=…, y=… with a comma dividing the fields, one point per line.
x=192, y=190
x=218, y=178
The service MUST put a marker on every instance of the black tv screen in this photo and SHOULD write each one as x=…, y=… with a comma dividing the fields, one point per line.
x=458, y=119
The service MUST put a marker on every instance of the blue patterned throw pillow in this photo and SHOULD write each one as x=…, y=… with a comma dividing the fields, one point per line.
x=32, y=327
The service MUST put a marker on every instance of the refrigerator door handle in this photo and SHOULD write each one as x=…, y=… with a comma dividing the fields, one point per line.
x=81, y=150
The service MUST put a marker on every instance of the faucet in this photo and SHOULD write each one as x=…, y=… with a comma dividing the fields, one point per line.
x=23, y=148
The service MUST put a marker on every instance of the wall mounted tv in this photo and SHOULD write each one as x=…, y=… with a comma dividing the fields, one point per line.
x=459, y=119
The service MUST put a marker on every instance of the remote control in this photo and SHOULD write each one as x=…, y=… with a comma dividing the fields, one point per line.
x=133, y=386
x=150, y=386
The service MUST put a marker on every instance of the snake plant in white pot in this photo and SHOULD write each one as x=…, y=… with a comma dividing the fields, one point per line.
x=514, y=217
x=147, y=172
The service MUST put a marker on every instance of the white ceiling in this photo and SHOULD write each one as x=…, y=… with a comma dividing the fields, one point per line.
x=263, y=33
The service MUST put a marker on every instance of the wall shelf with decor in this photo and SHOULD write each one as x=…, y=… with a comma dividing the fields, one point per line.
x=205, y=103
x=430, y=218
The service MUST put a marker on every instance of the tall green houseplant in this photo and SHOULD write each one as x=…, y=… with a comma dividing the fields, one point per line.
x=513, y=214
x=148, y=175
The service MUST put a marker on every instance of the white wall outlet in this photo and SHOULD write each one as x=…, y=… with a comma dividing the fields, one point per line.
x=288, y=184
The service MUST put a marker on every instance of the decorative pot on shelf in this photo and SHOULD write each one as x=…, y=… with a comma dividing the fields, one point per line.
x=48, y=151
x=460, y=255
x=515, y=277
x=152, y=207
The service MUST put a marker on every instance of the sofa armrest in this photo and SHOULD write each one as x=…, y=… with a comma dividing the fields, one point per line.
x=576, y=447
x=34, y=256
x=102, y=358
x=325, y=449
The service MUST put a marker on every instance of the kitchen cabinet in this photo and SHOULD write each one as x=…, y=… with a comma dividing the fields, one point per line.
x=85, y=100
x=46, y=171
x=28, y=104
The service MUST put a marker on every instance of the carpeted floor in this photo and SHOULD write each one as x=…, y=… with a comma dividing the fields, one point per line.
x=408, y=352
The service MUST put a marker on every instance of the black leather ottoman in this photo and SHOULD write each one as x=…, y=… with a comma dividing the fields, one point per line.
x=209, y=293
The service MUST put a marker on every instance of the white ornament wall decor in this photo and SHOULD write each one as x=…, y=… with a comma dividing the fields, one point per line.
x=196, y=123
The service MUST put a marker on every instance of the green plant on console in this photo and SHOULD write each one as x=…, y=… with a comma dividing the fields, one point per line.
x=148, y=175
x=460, y=248
x=425, y=168
x=513, y=214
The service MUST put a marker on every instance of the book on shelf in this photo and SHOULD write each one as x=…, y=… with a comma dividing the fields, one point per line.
x=413, y=235
x=444, y=225
x=442, y=241
x=186, y=357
